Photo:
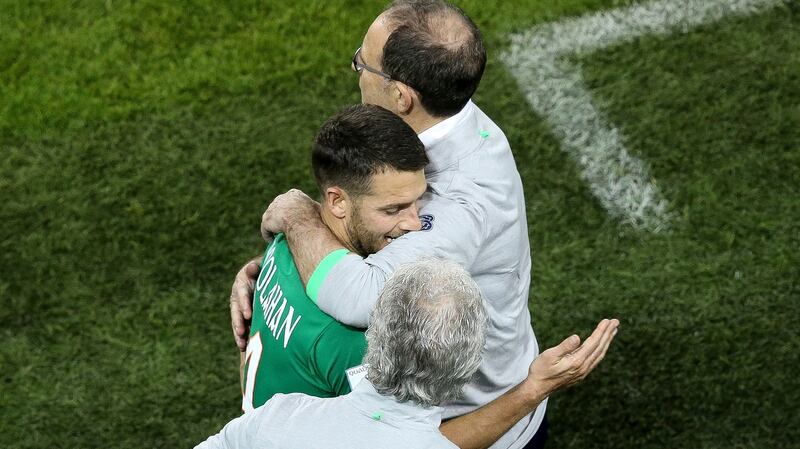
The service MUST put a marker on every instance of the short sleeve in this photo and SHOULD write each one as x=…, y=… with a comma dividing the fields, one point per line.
x=338, y=348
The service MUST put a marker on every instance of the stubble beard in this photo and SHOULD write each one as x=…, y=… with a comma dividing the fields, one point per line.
x=362, y=240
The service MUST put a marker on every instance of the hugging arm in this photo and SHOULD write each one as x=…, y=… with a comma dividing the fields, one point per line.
x=556, y=368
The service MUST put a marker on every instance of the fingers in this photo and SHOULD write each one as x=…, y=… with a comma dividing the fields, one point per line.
x=547, y=360
x=241, y=302
x=591, y=343
x=247, y=287
x=242, y=292
x=579, y=361
x=239, y=325
x=240, y=330
x=286, y=209
x=594, y=348
x=570, y=362
x=567, y=346
x=252, y=268
x=267, y=226
x=269, y=223
x=600, y=353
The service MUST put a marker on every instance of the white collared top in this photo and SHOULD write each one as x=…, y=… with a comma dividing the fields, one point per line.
x=473, y=213
x=362, y=419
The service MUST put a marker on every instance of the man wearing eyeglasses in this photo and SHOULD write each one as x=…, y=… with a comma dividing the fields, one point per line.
x=423, y=60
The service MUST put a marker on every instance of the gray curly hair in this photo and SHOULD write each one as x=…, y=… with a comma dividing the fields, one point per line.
x=427, y=333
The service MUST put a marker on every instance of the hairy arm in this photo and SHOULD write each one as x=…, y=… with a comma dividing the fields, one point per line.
x=554, y=369
x=298, y=217
x=348, y=289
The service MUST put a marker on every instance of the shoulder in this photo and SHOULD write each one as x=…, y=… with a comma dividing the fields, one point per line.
x=284, y=402
x=451, y=210
x=282, y=411
x=450, y=228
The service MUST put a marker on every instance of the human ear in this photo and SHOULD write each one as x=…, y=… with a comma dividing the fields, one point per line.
x=337, y=201
x=405, y=98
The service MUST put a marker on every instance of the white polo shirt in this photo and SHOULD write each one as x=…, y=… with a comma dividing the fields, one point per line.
x=474, y=214
x=361, y=419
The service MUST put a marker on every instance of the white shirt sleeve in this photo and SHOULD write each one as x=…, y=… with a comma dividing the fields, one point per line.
x=352, y=286
x=241, y=432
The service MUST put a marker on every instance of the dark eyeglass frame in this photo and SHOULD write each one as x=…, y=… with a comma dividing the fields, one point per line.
x=359, y=66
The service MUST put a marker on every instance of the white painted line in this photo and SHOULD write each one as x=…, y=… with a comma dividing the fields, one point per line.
x=555, y=89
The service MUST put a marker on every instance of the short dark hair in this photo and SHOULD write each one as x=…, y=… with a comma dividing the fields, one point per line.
x=360, y=141
x=422, y=51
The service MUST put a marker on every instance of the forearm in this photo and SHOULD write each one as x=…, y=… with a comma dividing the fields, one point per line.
x=554, y=369
x=484, y=426
x=352, y=296
x=310, y=241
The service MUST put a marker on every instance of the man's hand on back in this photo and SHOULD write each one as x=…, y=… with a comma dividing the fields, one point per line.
x=242, y=301
x=290, y=208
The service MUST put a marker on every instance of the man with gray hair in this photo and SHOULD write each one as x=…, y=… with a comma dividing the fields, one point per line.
x=423, y=60
x=424, y=344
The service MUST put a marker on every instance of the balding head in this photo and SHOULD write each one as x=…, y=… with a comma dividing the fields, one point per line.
x=437, y=50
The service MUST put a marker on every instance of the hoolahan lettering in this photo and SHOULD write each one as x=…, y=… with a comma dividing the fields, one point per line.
x=286, y=325
x=269, y=302
x=267, y=269
x=272, y=321
x=280, y=320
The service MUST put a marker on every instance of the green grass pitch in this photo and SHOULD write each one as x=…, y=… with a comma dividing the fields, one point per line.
x=140, y=142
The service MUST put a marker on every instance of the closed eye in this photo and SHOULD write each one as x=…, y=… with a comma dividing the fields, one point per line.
x=395, y=209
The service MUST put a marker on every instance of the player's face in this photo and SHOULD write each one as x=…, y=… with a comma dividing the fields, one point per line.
x=388, y=211
x=374, y=88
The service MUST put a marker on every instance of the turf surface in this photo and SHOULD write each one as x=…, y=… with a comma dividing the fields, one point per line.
x=140, y=142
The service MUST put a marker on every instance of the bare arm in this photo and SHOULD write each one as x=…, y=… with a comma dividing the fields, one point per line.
x=298, y=217
x=554, y=369
x=358, y=279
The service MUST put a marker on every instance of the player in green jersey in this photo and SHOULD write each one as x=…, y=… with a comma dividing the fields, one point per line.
x=368, y=164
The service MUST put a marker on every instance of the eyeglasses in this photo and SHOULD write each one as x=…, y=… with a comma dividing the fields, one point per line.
x=359, y=66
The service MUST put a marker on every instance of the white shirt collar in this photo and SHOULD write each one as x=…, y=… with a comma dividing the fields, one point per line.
x=389, y=410
x=437, y=132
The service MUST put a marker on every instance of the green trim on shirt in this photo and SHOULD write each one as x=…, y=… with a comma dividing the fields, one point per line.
x=321, y=272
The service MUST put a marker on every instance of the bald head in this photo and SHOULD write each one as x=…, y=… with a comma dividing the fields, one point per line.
x=437, y=50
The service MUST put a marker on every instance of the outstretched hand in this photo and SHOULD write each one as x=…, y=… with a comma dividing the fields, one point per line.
x=570, y=362
x=242, y=301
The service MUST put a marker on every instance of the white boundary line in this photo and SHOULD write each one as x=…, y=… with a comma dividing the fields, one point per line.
x=555, y=89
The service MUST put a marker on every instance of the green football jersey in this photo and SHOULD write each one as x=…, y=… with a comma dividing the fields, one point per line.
x=294, y=346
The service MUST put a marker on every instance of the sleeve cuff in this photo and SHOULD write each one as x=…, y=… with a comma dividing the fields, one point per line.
x=321, y=272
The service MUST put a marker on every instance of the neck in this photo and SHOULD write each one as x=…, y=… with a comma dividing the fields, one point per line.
x=420, y=122
x=337, y=227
